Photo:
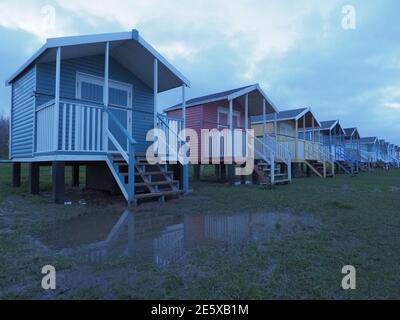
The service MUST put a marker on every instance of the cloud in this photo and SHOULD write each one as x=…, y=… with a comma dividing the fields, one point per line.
x=390, y=97
x=35, y=17
x=255, y=30
x=392, y=105
x=177, y=50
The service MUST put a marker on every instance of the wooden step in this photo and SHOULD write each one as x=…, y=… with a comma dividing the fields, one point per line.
x=153, y=173
x=268, y=171
x=282, y=181
x=263, y=164
x=155, y=183
x=280, y=175
x=139, y=163
x=149, y=173
x=158, y=194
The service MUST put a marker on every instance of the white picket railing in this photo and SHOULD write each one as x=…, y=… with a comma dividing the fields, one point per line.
x=283, y=151
x=303, y=150
x=172, y=128
x=81, y=128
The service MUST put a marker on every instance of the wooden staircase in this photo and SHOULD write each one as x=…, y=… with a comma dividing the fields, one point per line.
x=318, y=168
x=263, y=171
x=151, y=181
x=347, y=167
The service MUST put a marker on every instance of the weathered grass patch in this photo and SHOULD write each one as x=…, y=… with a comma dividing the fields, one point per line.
x=333, y=222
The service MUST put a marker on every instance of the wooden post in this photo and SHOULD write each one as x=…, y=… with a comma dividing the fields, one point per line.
x=312, y=135
x=264, y=118
x=185, y=174
x=319, y=135
x=231, y=169
x=58, y=179
x=75, y=175
x=246, y=112
x=246, y=124
x=304, y=135
x=106, y=94
x=223, y=172
x=131, y=174
x=155, y=88
x=273, y=169
x=34, y=177
x=296, y=132
x=57, y=99
x=16, y=174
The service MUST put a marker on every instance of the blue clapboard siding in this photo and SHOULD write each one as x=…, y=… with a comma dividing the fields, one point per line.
x=23, y=109
x=94, y=65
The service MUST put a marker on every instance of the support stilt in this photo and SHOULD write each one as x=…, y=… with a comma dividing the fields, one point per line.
x=16, y=174
x=75, y=175
x=58, y=177
x=34, y=178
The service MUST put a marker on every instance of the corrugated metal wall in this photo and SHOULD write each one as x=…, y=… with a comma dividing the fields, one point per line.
x=23, y=111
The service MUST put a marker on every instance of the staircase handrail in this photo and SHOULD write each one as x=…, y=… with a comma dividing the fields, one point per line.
x=128, y=156
x=282, y=151
x=161, y=118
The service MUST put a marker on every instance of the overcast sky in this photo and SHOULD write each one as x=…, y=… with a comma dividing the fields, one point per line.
x=297, y=50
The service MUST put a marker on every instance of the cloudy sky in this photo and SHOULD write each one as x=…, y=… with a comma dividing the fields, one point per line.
x=298, y=50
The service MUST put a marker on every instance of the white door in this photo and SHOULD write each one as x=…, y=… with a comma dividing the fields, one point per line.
x=90, y=88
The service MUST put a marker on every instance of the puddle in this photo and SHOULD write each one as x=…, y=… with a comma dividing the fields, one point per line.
x=164, y=239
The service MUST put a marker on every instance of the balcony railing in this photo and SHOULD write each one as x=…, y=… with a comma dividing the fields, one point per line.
x=83, y=127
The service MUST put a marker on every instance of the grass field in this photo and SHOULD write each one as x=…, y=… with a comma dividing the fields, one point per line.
x=355, y=221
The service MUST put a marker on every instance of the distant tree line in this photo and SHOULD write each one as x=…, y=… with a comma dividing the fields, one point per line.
x=4, y=134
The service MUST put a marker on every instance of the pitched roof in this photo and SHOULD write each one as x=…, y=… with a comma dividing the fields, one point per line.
x=129, y=45
x=349, y=131
x=282, y=115
x=208, y=98
x=254, y=93
x=325, y=125
x=368, y=140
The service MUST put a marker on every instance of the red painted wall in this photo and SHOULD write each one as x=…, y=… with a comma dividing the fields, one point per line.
x=205, y=116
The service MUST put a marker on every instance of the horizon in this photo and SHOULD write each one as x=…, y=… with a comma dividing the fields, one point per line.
x=299, y=52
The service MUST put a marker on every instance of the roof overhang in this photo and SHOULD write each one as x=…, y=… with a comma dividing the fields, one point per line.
x=353, y=133
x=128, y=48
x=305, y=113
x=255, y=94
x=332, y=126
x=369, y=142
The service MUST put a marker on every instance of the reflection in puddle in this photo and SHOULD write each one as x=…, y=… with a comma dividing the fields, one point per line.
x=161, y=239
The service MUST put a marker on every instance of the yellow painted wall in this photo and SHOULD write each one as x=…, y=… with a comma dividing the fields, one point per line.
x=259, y=128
